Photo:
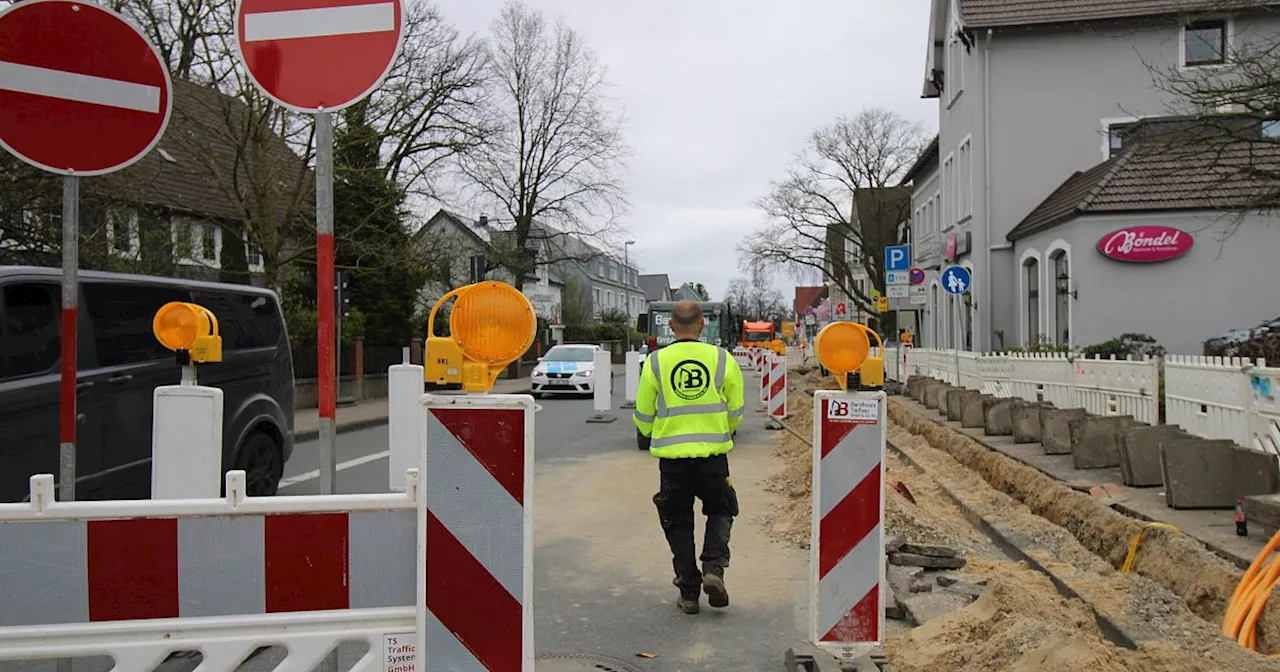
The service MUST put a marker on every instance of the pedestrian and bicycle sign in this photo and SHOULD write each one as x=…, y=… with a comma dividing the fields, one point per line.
x=956, y=280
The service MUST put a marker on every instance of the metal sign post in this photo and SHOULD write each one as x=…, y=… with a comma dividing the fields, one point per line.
x=318, y=58
x=82, y=93
x=70, y=300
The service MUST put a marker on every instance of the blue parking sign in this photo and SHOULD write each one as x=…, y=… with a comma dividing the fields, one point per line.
x=897, y=258
x=956, y=280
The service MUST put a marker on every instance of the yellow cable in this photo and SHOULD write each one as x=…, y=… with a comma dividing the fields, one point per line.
x=1133, y=547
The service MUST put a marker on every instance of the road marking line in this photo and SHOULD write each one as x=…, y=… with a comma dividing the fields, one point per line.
x=294, y=24
x=73, y=86
x=342, y=466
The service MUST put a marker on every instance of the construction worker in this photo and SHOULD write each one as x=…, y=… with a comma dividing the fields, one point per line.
x=688, y=409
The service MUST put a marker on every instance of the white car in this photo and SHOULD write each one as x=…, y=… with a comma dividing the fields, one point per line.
x=566, y=369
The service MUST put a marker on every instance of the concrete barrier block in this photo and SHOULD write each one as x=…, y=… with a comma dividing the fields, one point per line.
x=922, y=392
x=913, y=387
x=974, y=413
x=1026, y=421
x=1055, y=429
x=1094, y=440
x=1140, y=453
x=998, y=417
x=1214, y=473
x=930, y=399
x=938, y=397
x=955, y=402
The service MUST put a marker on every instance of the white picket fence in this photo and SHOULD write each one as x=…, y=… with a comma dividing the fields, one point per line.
x=1101, y=386
x=1212, y=397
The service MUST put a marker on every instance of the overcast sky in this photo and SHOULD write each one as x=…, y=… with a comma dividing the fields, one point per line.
x=720, y=94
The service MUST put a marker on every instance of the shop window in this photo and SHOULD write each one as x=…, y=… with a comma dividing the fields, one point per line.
x=1061, y=299
x=1032, y=271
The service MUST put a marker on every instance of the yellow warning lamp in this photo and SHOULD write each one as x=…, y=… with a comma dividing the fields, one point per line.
x=491, y=325
x=844, y=348
x=190, y=330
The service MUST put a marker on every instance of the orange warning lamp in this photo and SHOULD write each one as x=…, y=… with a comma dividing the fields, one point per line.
x=490, y=326
x=190, y=330
x=842, y=347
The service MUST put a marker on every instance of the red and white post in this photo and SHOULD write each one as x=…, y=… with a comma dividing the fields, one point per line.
x=476, y=547
x=847, y=562
x=777, y=392
x=764, y=370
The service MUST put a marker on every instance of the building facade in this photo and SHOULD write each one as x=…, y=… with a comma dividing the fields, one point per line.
x=471, y=250
x=1029, y=94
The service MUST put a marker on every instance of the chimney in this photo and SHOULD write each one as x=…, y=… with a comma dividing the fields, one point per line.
x=484, y=221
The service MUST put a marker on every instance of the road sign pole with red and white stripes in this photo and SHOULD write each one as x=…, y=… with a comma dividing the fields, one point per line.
x=318, y=57
x=765, y=371
x=82, y=93
x=846, y=575
x=475, y=549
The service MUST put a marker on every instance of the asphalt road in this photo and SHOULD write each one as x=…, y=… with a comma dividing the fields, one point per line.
x=602, y=571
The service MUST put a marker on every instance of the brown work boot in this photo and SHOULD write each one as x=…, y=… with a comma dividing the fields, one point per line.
x=717, y=594
x=688, y=604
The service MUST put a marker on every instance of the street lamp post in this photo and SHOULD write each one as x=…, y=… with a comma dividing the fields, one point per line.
x=626, y=284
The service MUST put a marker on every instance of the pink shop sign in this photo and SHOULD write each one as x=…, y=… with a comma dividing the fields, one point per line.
x=1146, y=244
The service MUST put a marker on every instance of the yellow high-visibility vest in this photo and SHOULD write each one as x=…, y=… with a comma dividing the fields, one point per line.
x=690, y=400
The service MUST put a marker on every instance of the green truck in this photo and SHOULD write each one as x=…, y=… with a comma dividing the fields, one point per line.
x=718, y=315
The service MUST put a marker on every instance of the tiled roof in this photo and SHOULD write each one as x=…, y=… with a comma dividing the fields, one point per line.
x=928, y=159
x=1153, y=176
x=202, y=163
x=807, y=297
x=1002, y=13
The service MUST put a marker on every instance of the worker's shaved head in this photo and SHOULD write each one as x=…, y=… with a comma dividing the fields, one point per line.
x=686, y=319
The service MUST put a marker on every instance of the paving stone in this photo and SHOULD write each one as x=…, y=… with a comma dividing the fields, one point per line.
x=925, y=607
x=913, y=560
x=934, y=551
x=894, y=543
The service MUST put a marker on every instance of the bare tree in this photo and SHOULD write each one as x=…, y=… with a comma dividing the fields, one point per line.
x=838, y=206
x=557, y=155
x=753, y=298
x=1223, y=143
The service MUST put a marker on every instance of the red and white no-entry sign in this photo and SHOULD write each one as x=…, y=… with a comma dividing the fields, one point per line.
x=80, y=88
x=313, y=55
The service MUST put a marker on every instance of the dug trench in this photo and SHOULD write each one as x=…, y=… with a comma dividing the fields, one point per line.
x=1165, y=614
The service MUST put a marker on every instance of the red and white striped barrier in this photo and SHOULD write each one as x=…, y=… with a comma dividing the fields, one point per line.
x=778, y=388
x=765, y=370
x=137, y=580
x=847, y=557
x=475, y=608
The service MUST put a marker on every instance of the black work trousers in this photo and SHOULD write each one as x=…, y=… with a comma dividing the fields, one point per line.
x=708, y=480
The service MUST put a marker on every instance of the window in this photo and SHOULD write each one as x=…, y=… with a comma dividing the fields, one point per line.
x=950, y=191
x=937, y=212
x=1061, y=299
x=122, y=315
x=30, y=330
x=182, y=237
x=966, y=179
x=244, y=320
x=122, y=230
x=208, y=242
x=1032, y=270
x=1271, y=128
x=253, y=255
x=478, y=268
x=1204, y=43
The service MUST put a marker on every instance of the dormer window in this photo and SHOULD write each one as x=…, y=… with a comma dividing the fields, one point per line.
x=1204, y=43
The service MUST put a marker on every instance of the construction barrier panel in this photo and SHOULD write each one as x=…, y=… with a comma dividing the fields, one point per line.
x=632, y=379
x=766, y=369
x=847, y=545
x=743, y=357
x=475, y=606
x=138, y=580
x=778, y=388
